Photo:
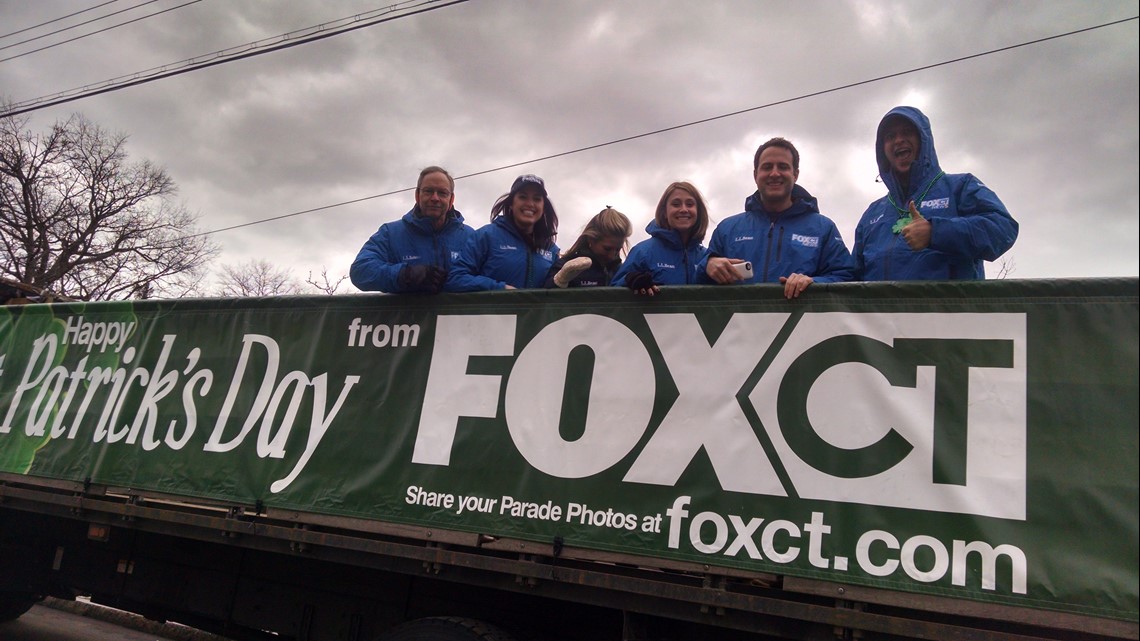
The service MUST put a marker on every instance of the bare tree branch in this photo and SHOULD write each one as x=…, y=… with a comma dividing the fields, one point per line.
x=326, y=285
x=1005, y=267
x=256, y=278
x=77, y=217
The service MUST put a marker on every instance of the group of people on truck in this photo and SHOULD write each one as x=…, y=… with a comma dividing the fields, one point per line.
x=930, y=226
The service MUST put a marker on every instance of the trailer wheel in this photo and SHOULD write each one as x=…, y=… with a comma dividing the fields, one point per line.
x=446, y=629
x=13, y=604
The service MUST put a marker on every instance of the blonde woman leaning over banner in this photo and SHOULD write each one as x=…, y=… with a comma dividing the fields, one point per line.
x=595, y=257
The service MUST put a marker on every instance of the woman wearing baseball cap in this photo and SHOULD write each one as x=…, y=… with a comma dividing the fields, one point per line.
x=514, y=251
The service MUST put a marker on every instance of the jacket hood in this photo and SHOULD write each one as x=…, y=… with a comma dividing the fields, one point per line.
x=802, y=202
x=506, y=223
x=669, y=236
x=423, y=225
x=925, y=166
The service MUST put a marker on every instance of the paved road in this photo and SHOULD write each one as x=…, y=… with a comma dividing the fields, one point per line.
x=43, y=623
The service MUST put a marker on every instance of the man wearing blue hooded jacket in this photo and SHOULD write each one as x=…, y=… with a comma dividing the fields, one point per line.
x=931, y=225
x=781, y=231
x=414, y=254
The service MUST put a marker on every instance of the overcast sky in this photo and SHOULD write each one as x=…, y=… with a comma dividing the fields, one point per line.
x=1051, y=127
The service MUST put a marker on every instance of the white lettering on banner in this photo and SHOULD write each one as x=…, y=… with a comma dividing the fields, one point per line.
x=101, y=334
x=122, y=402
x=547, y=511
x=271, y=438
x=920, y=557
x=620, y=402
x=416, y=495
x=956, y=559
x=923, y=558
x=59, y=387
x=744, y=533
x=475, y=504
x=202, y=380
x=451, y=392
x=857, y=406
x=381, y=335
x=43, y=352
x=159, y=384
x=987, y=557
x=583, y=515
x=706, y=414
x=533, y=510
x=919, y=384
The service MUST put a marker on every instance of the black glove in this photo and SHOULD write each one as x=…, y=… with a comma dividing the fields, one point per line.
x=437, y=276
x=639, y=280
x=421, y=278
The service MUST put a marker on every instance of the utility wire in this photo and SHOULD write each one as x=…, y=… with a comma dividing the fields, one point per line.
x=74, y=26
x=44, y=24
x=248, y=50
x=682, y=126
x=95, y=32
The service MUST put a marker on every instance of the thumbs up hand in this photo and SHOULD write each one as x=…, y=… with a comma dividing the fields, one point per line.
x=914, y=213
x=917, y=232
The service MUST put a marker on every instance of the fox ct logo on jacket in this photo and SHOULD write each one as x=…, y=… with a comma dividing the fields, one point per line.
x=806, y=241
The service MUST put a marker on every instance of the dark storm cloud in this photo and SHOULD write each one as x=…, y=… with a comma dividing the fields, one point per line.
x=1051, y=127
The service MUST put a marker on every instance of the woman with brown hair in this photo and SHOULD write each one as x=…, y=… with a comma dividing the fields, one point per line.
x=516, y=249
x=671, y=253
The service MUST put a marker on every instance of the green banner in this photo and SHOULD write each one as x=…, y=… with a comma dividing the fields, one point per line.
x=973, y=440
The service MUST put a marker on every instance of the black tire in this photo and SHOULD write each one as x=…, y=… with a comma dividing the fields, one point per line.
x=446, y=629
x=14, y=604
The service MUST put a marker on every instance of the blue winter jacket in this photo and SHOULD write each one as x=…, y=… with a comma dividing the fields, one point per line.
x=798, y=240
x=663, y=255
x=495, y=256
x=969, y=224
x=408, y=241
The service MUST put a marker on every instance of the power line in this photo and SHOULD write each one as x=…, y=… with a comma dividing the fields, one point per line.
x=151, y=15
x=687, y=124
x=248, y=50
x=44, y=24
x=74, y=26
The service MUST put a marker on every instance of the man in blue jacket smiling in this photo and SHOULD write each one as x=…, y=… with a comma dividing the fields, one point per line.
x=931, y=225
x=414, y=254
x=781, y=231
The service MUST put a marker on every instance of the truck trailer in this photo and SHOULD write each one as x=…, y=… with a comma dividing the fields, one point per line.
x=869, y=461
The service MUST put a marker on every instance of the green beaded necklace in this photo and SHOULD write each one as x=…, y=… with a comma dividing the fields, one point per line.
x=904, y=214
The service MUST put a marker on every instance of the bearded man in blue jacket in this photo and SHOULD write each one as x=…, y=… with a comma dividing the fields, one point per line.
x=414, y=254
x=931, y=225
x=781, y=231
